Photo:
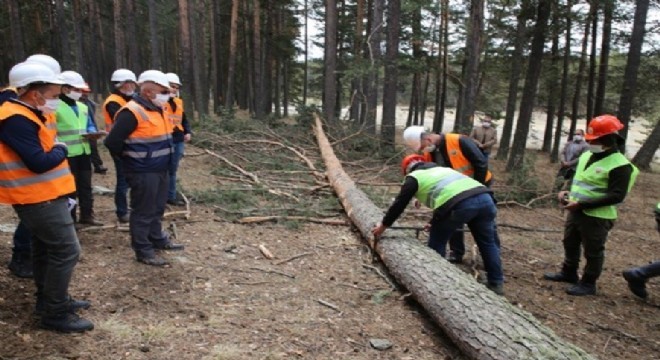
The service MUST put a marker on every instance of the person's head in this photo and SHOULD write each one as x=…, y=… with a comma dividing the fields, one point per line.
x=46, y=60
x=578, y=135
x=73, y=84
x=154, y=86
x=410, y=162
x=486, y=121
x=36, y=85
x=175, y=84
x=603, y=133
x=85, y=91
x=124, y=81
x=417, y=139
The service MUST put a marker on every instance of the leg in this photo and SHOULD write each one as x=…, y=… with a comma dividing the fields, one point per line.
x=637, y=278
x=21, y=259
x=457, y=246
x=174, y=166
x=96, y=158
x=572, y=249
x=594, y=235
x=74, y=166
x=482, y=227
x=84, y=189
x=157, y=236
x=143, y=198
x=121, y=190
x=442, y=229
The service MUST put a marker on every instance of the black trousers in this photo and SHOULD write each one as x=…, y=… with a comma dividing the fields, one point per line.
x=96, y=158
x=589, y=233
x=148, y=198
x=81, y=168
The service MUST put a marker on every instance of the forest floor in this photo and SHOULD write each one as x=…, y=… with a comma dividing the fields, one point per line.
x=323, y=295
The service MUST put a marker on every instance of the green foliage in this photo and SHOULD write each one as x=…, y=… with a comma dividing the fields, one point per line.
x=380, y=296
x=306, y=113
x=523, y=183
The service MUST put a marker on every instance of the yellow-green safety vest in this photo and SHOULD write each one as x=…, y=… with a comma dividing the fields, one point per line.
x=591, y=183
x=70, y=128
x=438, y=185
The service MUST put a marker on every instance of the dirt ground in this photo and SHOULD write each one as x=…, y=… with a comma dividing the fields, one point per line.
x=323, y=296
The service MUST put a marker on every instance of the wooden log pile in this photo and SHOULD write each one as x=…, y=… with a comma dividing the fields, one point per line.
x=482, y=324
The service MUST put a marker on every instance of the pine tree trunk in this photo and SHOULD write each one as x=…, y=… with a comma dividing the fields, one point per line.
x=356, y=84
x=330, y=61
x=198, y=60
x=153, y=35
x=632, y=66
x=483, y=325
x=375, y=60
x=579, y=77
x=257, y=61
x=306, y=55
x=645, y=155
x=186, y=53
x=62, y=29
x=233, y=40
x=592, y=61
x=473, y=55
x=78, y=35
x=529, y=91
x=553, y=81
x=441, y=99
x=131, y=31
x=608, y=9
x=514, y=79
x=120, y=43
x=18, y=44
x=563, y=93
x=391, y=80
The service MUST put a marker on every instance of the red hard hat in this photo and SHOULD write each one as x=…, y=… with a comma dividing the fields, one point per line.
x=409, y=160
x=602, y=125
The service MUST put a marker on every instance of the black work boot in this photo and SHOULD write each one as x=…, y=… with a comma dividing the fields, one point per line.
x=496, y=288
x=66, y=323
x=636, y=282
x=73, y=306
x=21, y=265
x=565, y=275
x=582, y=288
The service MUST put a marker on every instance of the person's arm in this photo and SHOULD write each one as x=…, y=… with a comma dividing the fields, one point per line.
x=492, y=141
x=617, y=189
x=22, y=136
x=474, y=137
x=112, y=108
x=125, y=124
x=407, y=192
x=475, y=157
x=186, y=124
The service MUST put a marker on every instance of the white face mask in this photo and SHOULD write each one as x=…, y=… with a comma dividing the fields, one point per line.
x=486, y=124
x=431, y=148
x=128, y=93
x=594, y=148
x=160, y=99
x=74, y=95
x=577, y=138
x=50, y=106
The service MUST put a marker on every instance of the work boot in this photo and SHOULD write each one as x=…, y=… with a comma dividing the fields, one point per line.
x=124, y=219
x=153, y=261
x=454, y=259
x=89, y=220
x=66, y=323
x=21, y=265
x=636, y=282
x=101, y=170
x=496, y=288
x=73, y=306
x=170, y=246
x=565, y=275
x=176, y=202
x=582, y=289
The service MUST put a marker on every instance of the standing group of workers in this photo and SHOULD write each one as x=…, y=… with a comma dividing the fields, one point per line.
x=47, y=151
x=449, y=174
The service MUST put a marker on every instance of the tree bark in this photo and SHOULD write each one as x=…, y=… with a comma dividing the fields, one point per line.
x=553, y=81
x=483, y=325
x=131, y=32
x=608, y=10
x=81, y=66
x=153, y=35
x=646, y=153
x=120, y=42
x=374, y=41
x=186, y=52
x=563, y=93
x=356, y=83
x=330, y=61
x=577, y=94
x=18, y=44
x=233, y=40
x=63, y=30
x=632, y=67
x=592, y=61
x=388, y=122
x=306, y=60
x=514, y=79
x=441, y=98
x=529, y=91
x=473, y=55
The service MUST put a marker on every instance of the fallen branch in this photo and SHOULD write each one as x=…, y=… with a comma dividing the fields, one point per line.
x=274, y=272
x=524, y=228
x=331, y=306
x=265, y=252
x=260, y=219
x=103, y=227
x=292, y=258
x=380, y=273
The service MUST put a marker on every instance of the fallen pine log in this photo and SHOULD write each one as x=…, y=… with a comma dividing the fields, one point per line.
x=482, y=324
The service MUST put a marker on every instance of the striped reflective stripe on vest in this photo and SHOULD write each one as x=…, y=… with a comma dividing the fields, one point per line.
x=137, y=108
x=589, y=187
x=70, y=132
x=14, y=165
x=37, y=178
x=437, y=188
x=146, y=140
x=144, y=154
x=464, y=169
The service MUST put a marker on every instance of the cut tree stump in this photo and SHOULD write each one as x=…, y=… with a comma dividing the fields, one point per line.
x=482, y=324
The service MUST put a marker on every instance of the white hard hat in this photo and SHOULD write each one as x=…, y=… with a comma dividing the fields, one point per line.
x=47, y=61
x=121, y=75
x=73, y=79
x=173, y=78
x=26, y=73
x=412, y=137
x=155, y=76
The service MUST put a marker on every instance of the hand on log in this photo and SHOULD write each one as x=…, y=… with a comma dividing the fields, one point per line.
x=378, y=230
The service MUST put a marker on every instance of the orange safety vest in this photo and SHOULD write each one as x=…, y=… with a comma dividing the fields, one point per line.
x=149, y=146
x=19, y=185
x=106, y=115
x=457, y=160
x=175, y=117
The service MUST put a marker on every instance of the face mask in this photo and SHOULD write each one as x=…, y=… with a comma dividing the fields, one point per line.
x=431, y=148
x=577, y=137
x=485, y=124
x=74, y=95
x=596, y=148
x=128, y=93
x=50, y=106
x=160, y=99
